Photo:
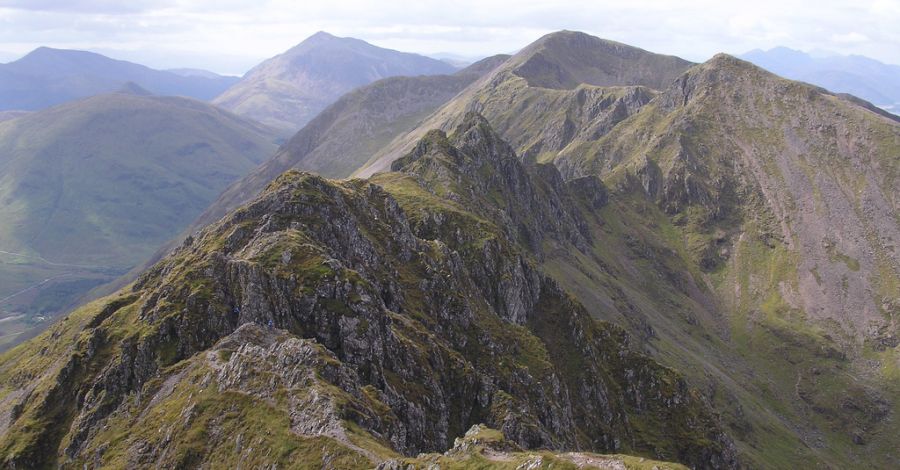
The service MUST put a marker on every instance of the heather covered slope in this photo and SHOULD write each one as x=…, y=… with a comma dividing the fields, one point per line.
x=91, y=188
x=360, y=321
x=288, y=90
x=47, y=77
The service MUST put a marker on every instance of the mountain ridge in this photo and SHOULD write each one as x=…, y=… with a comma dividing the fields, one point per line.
x=616, y=60
x=47, y=77
x=714, y=152
x=723, y=242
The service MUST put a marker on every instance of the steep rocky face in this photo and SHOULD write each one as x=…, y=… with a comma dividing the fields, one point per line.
x=784, y=198
x=288, y=90
x=359, y=320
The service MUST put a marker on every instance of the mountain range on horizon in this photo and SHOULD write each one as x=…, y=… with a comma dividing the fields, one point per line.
x=866, y=78
x=284, y=92
x=71, y=74
x=46, y=77
x=584, y=254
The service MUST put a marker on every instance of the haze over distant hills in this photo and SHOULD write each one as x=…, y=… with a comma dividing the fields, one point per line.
x=92, y=187
x=47, y=77
x=288, y=90
x=860, y=76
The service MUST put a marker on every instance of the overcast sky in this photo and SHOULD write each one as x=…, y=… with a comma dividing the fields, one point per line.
x=230, y=36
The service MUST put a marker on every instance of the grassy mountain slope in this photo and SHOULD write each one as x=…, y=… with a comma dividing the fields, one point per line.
x=355, y=322
x=752, y=241
x=47, y=77
x=783, y=197
x=91, y=188
x=288, y=90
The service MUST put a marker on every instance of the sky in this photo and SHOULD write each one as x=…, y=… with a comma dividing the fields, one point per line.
x=231, y=36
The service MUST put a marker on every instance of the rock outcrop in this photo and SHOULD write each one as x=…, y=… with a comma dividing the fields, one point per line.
x=360, y=321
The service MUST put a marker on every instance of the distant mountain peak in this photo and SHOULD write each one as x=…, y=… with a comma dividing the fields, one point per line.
x=727, y=60
x=324, y=39
x=566, y=59
x=288, y=90
x=50, y=53
x=320, y=35
x=45, y=50
x=46, y=77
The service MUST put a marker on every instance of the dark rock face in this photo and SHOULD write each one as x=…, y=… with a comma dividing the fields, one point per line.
x=426, y=319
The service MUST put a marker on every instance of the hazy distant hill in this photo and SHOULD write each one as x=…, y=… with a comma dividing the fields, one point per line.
x=92, y=187
x=47, y=77
x=861, y=76
x=288, y=90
